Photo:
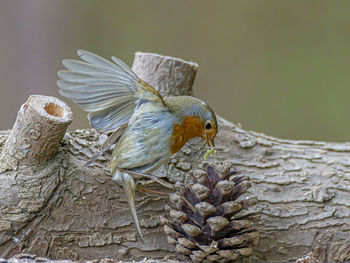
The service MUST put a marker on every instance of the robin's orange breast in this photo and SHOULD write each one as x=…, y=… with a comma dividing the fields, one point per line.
x=190, y=127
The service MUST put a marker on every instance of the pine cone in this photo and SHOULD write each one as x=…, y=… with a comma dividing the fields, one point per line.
x=204, y=223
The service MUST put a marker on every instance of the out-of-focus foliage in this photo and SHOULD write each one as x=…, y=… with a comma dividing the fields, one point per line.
x=279, y=67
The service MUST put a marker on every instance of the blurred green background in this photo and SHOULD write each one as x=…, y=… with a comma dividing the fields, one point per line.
x=277, y=67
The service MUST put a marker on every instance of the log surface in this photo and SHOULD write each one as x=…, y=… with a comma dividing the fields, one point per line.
x=303, y=188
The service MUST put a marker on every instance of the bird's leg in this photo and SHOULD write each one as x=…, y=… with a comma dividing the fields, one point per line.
x=151, y=177
x=141, y=188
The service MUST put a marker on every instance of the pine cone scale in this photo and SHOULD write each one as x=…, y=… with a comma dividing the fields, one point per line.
x=207, y=222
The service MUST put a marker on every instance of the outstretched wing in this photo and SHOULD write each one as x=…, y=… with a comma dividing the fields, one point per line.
x=110, y=92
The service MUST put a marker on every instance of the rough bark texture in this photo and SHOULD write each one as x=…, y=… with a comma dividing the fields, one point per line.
x=27, y=258
x=61, y=209
x=174, y=76
x=40, y=126
x=29, y=172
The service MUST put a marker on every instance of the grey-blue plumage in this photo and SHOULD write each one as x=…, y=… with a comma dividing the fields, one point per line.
x=149, y=128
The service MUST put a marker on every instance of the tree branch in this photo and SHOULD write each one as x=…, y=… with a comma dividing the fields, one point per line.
x=55, y=207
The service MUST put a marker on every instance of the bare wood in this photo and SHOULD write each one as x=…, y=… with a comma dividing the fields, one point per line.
x=303, y=189
x=27, y=258
x=40, y=126
x=170, y=76
x=30, y=170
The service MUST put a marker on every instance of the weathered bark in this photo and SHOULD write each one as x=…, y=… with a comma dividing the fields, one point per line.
x=30, y=168
x=34, y=139
x=174, y=76
x=27, y=258
x=303, y=188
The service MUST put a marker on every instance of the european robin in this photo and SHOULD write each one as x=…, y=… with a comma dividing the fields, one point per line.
x=149, y=128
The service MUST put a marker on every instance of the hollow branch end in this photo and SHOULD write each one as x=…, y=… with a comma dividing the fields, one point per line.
x=34, y=139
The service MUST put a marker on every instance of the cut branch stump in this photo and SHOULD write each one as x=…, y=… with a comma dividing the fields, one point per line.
x=53, y=206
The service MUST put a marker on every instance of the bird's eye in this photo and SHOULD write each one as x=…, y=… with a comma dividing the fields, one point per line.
x=208, y=125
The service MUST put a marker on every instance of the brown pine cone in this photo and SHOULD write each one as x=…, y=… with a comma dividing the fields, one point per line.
x=204, y=223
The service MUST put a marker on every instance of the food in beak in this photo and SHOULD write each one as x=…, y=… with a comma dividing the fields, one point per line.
x=211, y=150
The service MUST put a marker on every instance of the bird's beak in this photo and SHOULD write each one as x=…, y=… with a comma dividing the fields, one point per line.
x=210, y=141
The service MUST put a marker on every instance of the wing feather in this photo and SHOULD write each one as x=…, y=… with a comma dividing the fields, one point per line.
x=92, y=58
x=81, y=78
x=109, y=91
x=105, y=119
x=122, y=65
x=112, y=139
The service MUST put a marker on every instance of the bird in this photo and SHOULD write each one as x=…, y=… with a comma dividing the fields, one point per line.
x=147, y=129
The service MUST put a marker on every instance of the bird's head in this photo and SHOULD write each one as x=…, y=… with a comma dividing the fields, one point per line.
x=196, y=117
x=208, y=123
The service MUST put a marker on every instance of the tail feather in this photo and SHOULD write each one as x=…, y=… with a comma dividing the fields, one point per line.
x=129, y=188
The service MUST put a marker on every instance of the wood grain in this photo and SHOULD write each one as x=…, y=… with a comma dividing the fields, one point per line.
x=60, y=209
